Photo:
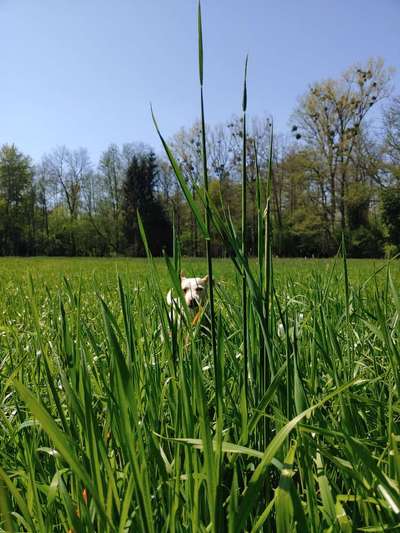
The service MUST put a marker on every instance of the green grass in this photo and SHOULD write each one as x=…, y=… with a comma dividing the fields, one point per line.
x=94, y=398
x=52, y=270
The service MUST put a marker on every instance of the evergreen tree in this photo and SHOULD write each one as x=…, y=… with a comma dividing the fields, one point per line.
x=139, y=195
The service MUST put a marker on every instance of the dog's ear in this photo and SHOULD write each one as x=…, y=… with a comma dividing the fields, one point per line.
x=204, y=280
x=182, y=275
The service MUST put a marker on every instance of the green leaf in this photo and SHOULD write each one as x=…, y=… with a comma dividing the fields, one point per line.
x=19, y=500
x=61, y=441
x=249, y=498
x=283, y=500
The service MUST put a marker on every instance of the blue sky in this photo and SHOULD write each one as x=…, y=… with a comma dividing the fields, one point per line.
x=83, y=72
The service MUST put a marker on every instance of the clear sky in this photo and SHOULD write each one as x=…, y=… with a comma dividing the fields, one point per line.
x=83, y=72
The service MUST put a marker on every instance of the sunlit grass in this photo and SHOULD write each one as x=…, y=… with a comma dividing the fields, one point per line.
x=100, y=389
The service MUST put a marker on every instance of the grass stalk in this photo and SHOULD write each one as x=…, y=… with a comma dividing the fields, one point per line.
x=244, y=241
x=217, y=519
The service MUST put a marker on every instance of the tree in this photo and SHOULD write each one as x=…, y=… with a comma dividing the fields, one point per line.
x=391, y=142
x=390, y=193
x=329, y=119
x=186, y=146
x=139, y=195
x=17, y=198
x=111, y=177
x=70, y=173
x=224, y=160
x=299, y=199
x=391, y=214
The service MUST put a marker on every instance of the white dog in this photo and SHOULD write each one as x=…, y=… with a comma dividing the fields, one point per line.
x=195, y=295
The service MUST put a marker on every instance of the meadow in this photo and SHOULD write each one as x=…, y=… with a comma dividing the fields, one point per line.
x=51, y=271
x=114, y=419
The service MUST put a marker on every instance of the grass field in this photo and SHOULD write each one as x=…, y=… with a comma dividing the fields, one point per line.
x=104, y=270
x=113, y=419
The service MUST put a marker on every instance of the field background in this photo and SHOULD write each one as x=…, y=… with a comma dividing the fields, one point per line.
x=100, y=275
x=94, y=392
x=50, y=271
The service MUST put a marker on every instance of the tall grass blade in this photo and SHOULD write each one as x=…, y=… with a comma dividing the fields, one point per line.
x=244, y=241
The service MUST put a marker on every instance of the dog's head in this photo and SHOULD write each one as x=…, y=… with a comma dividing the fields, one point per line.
x=194, y=290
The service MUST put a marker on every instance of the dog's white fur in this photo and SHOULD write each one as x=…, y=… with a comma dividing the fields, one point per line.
x=194, y=292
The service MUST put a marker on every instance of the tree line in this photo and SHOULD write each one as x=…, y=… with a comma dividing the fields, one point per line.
x=336, y=172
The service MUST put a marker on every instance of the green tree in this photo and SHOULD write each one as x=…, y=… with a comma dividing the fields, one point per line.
x=111, y=177
x=70, y=175
x=16, y=202
x=390, y=197
x=299, y=202
x=329, y=120
x=140, y=195
x=391, y=142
